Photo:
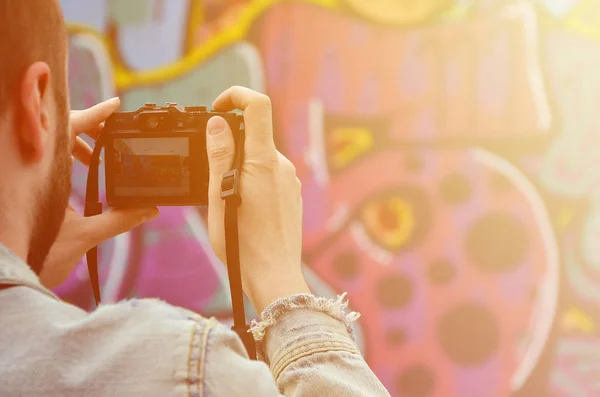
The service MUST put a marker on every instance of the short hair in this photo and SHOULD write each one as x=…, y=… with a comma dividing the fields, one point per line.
x=31, y=31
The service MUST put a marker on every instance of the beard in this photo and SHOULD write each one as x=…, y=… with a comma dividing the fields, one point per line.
x=52, y=202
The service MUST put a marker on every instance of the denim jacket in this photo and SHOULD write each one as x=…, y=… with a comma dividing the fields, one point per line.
x=149, y=348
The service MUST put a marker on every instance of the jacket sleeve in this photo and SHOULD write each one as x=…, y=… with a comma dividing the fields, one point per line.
x=305, y=344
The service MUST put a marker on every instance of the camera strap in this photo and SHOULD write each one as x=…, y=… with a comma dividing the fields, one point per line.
x=230, y=193
x=93, y=207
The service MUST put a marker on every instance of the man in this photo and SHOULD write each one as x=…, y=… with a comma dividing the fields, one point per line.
x=146, y=347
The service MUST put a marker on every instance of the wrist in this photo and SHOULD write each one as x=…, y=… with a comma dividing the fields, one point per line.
x=262, y=291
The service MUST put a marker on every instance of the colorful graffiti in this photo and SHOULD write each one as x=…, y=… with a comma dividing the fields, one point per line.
x=446, y=150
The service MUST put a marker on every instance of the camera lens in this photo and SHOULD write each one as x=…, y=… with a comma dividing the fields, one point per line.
x=152, y=122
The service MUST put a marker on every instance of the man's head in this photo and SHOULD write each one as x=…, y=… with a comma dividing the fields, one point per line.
x=35, y=160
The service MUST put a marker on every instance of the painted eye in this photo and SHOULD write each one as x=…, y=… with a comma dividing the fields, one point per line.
x=347, y=144
x=399, y=219
x=390, y=221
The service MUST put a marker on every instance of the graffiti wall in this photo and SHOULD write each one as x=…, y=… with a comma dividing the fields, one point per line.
x=449, y=156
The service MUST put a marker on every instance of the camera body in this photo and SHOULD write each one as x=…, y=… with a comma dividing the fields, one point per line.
x=156, y=155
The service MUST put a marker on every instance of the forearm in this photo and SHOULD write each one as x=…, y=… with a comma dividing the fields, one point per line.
x=307, y=343
x=265, y=289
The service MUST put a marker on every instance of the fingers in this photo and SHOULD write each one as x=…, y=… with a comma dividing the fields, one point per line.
x=82, y=151
x=240, y=98
x=89, y=121
x=257, y=117
x=99, y=228
x=220, y=149
x=94, y=132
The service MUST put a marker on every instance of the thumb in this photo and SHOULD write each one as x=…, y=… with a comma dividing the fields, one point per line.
x=105, y=226
x=220, y=149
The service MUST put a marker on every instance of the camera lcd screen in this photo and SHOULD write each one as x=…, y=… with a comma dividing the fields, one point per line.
x=151, y=167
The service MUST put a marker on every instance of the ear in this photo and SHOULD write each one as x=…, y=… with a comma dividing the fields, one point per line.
x=33, y=129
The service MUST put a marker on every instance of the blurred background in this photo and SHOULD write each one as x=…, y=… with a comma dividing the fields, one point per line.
x=450, y=157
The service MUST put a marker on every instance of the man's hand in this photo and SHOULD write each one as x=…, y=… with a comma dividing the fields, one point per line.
x=90, y=122
x=78, y=234
x=270, y=217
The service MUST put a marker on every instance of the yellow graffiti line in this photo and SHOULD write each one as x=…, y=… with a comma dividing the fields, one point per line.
x=128, y=79
x=564, y=218
x=76, y=29
x=399, y=13
x=584, y=19
x=575, y=319
x=195, y=21
x=456, y=12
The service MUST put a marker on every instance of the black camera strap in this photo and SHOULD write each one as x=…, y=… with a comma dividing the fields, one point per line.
x=93, y=207
x=230, y=193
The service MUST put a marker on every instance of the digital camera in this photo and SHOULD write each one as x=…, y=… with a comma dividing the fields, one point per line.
x=156, y=155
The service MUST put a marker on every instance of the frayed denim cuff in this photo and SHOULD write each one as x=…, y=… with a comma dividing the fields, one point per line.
x=290, y=324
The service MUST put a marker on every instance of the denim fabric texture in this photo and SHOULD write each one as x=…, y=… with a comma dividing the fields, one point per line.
x=146, y=347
